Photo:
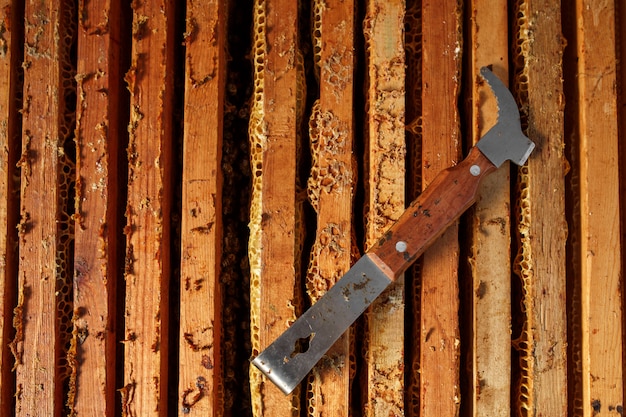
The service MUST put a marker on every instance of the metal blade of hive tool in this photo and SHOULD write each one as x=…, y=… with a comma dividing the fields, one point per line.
x=290, y=357
x=504, y=141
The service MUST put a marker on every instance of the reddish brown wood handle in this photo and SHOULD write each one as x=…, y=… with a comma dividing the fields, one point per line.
x=451, y=193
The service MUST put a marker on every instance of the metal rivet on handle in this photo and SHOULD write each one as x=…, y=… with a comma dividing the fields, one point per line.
x=475, y=170
x=401, y=246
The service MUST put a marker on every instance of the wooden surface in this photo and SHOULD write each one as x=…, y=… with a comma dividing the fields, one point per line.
x=99, y=121
x=145, y=256
x=600, y=268
x=274, y=246
x=413, y=138
x=489, y=252
x=200, y=359
x=620, y=24
x=540, y=262
x=10, y=84
x=43, y=312
x=439, y=335
x=331, y=189
x=383, y=347
x=147, y=266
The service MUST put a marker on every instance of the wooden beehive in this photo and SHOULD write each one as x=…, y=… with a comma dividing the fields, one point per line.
x=180, y=180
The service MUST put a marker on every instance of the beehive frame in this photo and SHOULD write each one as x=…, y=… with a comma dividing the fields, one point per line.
x=179, y=180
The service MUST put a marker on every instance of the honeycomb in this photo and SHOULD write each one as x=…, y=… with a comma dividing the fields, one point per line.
x=385, y=172
x=313, y=183
x=574, y=305
x=523, y=269
x=244, y=173
x=523, y=263
x=257, y=133
x=66, y=181
x=330, y=176
x=316, y=36
x=387, y=149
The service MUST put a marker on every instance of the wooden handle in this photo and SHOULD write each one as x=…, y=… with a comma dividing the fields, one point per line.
x=451, y=193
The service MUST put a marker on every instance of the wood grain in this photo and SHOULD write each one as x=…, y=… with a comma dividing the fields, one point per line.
x=99, y=144
x=540, y=263
x=275, y=228
x=383, y=393
x=490, y=225
x=200, y=359
x=44, y=308
x=601, y=268
x=413, y=98
x=147, y=264
x=620, y=24
x=331, y=191
x=11, y=38
x=85, y=304
x=441, y=60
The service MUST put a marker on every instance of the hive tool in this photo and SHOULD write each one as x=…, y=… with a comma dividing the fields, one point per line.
x=293, y=354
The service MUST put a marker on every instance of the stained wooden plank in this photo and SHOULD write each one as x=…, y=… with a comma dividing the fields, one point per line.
x=331, y=191
x=43, y=313
x=620, y=25
x=383, y=346
x=97, y=258
x=200, y=360
x=11, y=37
x=413, y=98
x=275, y=241
x=45, y=377
x=602, y=307
x=490, y=226
x=441, y=60
x=540, y=263
x=147, y=262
